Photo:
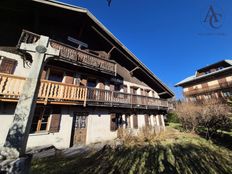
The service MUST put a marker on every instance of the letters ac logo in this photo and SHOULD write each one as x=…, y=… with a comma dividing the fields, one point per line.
x=214, y=19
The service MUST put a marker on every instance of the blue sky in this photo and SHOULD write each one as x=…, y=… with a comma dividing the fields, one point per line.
x=168, y=36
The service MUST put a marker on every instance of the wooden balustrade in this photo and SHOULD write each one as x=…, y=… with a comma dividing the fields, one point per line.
x=10, y=86
x=208, y=89
x=55, y=91
x=74, y=55
x=61, y=93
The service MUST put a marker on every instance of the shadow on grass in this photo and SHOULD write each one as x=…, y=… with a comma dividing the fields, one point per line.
x=220, y=139
x=158, y=158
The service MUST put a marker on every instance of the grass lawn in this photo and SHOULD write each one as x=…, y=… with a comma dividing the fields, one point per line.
x=171, y=152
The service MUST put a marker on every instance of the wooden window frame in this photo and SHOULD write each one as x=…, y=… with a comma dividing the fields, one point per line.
x=39, y=121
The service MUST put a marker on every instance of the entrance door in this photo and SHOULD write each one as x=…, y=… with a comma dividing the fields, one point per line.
x=80, y=129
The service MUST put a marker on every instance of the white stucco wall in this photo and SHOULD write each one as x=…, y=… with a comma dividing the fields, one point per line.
x=60, y=139
x=98, y=128
x=141, y=121
x=129, y=84
x=6, y=118
x=21, y=69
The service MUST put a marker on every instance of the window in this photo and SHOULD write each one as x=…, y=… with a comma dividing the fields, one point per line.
x=125, y=89
x=117, y=87
x=80, y=122
x=40, y=119
x=115, y=121
x=91, y=83
x=46, y=119
x=8, y=65
x=55, y=75
x=133, y=90
x=219, y=68
x=69, y=78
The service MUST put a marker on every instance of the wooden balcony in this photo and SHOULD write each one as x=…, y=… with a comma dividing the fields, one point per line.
x=209, y=89
x=74, y=55
x=67, y=94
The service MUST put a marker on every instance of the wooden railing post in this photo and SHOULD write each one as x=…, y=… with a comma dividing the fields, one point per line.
x=47, y=93
x=112, y=97
x=85, y=100
x=131, y=100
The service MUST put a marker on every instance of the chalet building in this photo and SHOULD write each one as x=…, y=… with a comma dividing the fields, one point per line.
x=95, y=85
x=212, y=81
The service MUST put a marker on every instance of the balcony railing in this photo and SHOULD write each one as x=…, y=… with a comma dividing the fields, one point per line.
x=74, y=55
x=60, y=93
x=208, y=89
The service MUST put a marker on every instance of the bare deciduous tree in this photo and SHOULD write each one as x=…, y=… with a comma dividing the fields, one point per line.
x=214, y=116
x=188, y=114
x=210, y=116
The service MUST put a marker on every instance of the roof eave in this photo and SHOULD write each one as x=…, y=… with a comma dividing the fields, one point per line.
x=89, y=14
x=203, y=76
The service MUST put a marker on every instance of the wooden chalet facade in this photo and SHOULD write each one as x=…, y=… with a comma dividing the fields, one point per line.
x=94, y=86
x=212, y=81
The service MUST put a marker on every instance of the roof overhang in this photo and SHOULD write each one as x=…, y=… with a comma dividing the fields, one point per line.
x=194, y=78
x=131, y=56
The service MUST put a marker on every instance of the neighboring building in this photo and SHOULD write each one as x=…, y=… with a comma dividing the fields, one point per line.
x=94, y=87
x=212, y=81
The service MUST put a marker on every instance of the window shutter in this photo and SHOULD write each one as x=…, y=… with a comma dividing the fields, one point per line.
x=111, y=87
x=135, y=121
x=43, y=76
x=8, y=65
x=125, y=89
x=69, y=78
x=83, y=81
x=55, y=121
x=113, y=122
x=146, y=120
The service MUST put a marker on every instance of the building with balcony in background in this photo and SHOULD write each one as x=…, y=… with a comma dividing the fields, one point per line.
x=95, y=86
x=210, y=82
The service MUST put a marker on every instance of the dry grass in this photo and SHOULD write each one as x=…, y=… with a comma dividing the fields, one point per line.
x=167, y=152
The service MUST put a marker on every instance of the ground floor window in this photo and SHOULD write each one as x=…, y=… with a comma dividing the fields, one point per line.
x=80, y=122
x=41, y=119
x=46, y=119
x=116, y=121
